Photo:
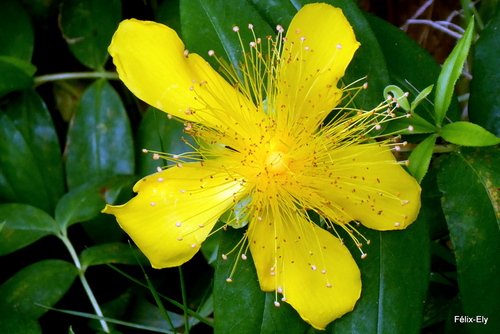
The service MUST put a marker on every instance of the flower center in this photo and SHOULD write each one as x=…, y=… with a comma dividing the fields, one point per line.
x=277, y=162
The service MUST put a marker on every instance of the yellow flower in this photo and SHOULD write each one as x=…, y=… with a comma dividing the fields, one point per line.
x=267, y=156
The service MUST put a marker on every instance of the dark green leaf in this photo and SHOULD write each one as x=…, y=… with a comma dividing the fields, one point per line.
x=241, y=304
x=468, y=134
x=17, y=74
x=420, y=158
x=159, y=133
x=207, y=25
x=15, y=323
x=24, y=224
x=17, y=38
x=470, y=183
x=43, y=283
x=39, y=179
x=395, y=278
x=484, y=103
x=452, y=68
x=88, y=27
x=79, y=205
x=112, y=253
x=99, y=140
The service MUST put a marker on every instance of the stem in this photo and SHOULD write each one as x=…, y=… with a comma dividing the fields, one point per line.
x=84, y=281
x=74, y=75
x=184, y=300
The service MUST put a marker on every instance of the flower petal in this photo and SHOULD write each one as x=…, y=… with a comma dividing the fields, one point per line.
x=369, y=186
x=315, y=272
x=320, y=43
x=175, y=210
x=150, y=60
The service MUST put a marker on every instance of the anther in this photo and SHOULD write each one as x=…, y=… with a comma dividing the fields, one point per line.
x=211, y=53
x=250, y=26
x=236, y=29
x=229, y=280
x=178, y=224
x=313, y=268
x=152, y=203
x=252, y=44
x=276, y=303
x=179, y=239
x=323, y=271
x=158, y=169
x=397, y=224
x=302, y=38
x=201, y=225
x=339, y=46
x=243, y=257
x=364, y=255
x=283, y=299
x=328, y=285
x=160, y=179
x=186, y=52
x=279, y=289
x=280, y=28
x=410, y=128
x=365, y=85
x=144, y=150
x=224, y=256
x=193, y=246
x=182, y=191
x=156, y=156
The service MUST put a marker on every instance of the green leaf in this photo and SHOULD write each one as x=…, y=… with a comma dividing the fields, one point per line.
x=398, y=94
x=99, y=139
x=79, y=205
x=452, y=68
x=395, y=276
x=484, y=103
x=207, y=25
x=38, y=179
x=420, y=158
x=112, y=253
x=12, y=322
x=470, y=184
x=468, y=134
x=23, y=225
x=17, y=74
x=241, y=304
x=88, y=27
x=17, y=37
x=159, y=133
x=42, y=283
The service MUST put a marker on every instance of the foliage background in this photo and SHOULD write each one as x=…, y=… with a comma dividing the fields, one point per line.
x=71, y=137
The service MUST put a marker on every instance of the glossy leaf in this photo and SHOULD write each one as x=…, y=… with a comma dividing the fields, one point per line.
x=468, y=134
x=79, y=205
x=24, y=224
x=452, y=68
x=241, y=304
x=395, y=277
x=88, y=27
x=21, y=179
x=470, y=183
x=17, y=37
x=420, y=158
x=17, y=74
x=112, y=253
x=208, y=25
x=484, y=103
x=41, y=283
x=99, y=139
x=159, y=133
x=39, y=179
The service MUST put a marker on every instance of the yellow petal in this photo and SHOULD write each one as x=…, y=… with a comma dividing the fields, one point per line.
x=319, y=45
x=175, y=210
x=150, y=60
x=314, y=271
x=369, y=186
